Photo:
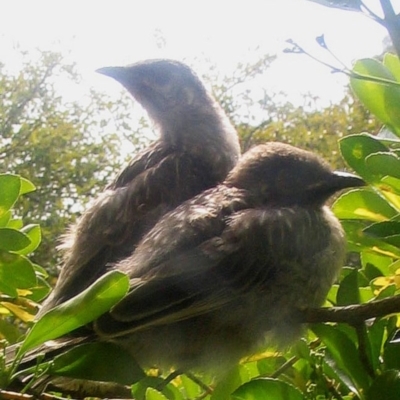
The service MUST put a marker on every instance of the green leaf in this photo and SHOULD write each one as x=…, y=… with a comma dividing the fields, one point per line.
x=140, y=390
x=385, y=386
x=357, y=240
x=99, y=362
x=391, y=352
x=191, y=389
x=9, y=191
x=363, y=204
x=9, y=331
x=78, y=311
x=356, y=148
x=26, y=186
x=16, y=272
x=13, y=240
x=375, y=338
x=231, y=381
x=389, y=231
x=348, y=290
x=153, y=394
x=381, y=99
x=384, y=163
x=344, y=352
x=34, y=234
x=267, y=389
x=5, y=218
x=40, y=291
x=392, y=63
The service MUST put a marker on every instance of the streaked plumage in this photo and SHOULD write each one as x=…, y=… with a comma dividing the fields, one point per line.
x=196, y=149
x=227, y=269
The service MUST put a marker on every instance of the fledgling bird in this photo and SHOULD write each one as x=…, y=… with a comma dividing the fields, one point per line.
x=196, y=149
x=229, y=268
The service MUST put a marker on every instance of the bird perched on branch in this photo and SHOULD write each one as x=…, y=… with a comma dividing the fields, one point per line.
x=196, y=149
x=229, y=268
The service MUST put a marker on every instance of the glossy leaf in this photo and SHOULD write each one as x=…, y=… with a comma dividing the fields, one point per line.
x=348, y=290
x=9, y=331
x=392, y=63
x=267, y=389
x=34, y=234
x=357, y=240
x=26, y=186
x=389, y=231
x=153, y=394
x=231, y=381
x=13, y=240
x=16, y=272
x=9, y=191
x=381, y=99
x=356, y=148
x=384, y=163
x=363, y=204
x=99, y=362
x=78, y=311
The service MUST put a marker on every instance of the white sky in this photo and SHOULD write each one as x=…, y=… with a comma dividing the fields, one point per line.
x=100, y=33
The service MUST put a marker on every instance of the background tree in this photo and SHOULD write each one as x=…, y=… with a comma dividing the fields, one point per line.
x=67, y=149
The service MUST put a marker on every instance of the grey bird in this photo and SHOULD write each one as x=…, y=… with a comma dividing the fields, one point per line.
x=196, y=149
x=225, y=272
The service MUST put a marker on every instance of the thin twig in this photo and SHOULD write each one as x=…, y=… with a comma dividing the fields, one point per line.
x=352, y=314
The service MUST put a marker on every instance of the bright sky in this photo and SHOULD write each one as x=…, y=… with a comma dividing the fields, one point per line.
x=101, y=33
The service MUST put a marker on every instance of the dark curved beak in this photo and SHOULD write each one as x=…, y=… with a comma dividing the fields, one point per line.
x=343, y=180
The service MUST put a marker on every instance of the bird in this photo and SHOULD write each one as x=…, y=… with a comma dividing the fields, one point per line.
x=225, y=272
x=196, y=148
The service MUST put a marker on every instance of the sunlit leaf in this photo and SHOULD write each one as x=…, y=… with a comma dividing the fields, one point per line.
x=392, y=63
x=9, y=331
x=26, y=186
x=381, y=99
x=34, y=234
x=153, y=394
x=79, y=310
x=363, y=204
x=9, y=191
x=18, y=311
x=357, y=240
x=356, y=148
x=16, y=272
x=13, y=240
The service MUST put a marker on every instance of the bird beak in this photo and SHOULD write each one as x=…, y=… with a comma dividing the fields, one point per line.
x=113, y=72
x=343, y=180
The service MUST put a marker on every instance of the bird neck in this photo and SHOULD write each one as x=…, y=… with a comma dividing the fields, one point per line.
x=205, y=132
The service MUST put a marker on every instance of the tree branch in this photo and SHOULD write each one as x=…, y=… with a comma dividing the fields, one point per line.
x=353, y=314
x=391, y=23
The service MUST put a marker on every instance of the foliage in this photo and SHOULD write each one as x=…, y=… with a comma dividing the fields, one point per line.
x=351, y=359
x=22, y=282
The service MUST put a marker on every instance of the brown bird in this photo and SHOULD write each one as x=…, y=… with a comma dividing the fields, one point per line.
x=227, y=270
x=196, y=149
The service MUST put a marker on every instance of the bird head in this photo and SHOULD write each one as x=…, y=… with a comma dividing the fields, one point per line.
x=284, y=175
x=161, y=86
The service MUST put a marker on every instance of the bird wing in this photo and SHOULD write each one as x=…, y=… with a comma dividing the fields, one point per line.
x=114, y=224
x=195, y=281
